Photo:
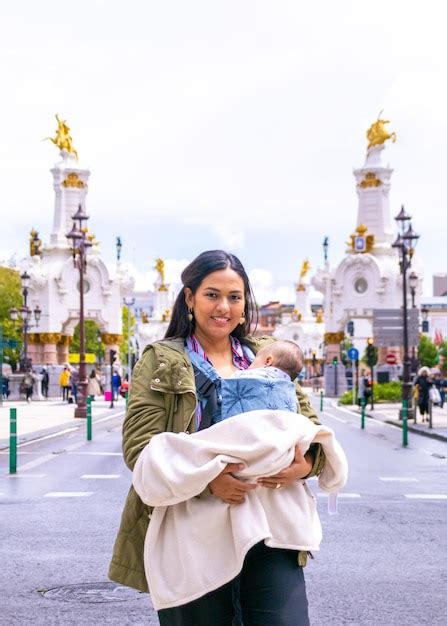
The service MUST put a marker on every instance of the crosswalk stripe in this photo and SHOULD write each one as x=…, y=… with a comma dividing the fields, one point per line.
x=19, y=475
x=341, y=495
x=426, y=496
x=398, y=479
x=100, y=475
x=68, y=494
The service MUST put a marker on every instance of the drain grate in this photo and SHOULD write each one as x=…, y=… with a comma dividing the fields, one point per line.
x=92, y=593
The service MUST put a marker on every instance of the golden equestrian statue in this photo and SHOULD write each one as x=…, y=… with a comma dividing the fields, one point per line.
x=304, y=268
x=377, y=134
x=160, y=268
x=63, y=138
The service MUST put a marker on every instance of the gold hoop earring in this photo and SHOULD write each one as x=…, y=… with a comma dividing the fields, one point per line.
x=190, y=315
x=242, y=320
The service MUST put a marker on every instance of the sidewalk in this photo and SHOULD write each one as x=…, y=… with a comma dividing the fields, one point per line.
x=389, y=413
x=39, y=419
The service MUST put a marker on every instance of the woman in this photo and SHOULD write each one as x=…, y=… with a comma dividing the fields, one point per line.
x=93, y=387
x=423, y=384
x=212, y=317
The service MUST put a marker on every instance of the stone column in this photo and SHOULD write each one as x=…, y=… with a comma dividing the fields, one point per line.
x=34, y=348
x=62, y=349
x=49, y=343
x=333, y=345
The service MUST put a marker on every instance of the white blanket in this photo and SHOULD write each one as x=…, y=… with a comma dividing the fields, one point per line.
x=195, y=545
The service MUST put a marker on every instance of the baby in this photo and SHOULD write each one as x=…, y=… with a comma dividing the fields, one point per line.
x=267, y=384
x=281, y=359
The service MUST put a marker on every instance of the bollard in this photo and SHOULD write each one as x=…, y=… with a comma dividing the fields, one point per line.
x=362, y=412
x=89, y=418
x=321, y=399
x=404, y=423
x=12, y=441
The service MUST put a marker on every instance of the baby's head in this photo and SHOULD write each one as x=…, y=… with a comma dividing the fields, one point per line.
x=283, y=354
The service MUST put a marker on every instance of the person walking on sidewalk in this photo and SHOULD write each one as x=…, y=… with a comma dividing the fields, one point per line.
x=423, y=384
x=212, y=317
x=64, y=382
x=93, y=388
x=45, y=382
x=28, y=385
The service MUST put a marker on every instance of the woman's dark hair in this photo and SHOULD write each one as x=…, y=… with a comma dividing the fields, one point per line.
x=93, y=373
x=193, y=275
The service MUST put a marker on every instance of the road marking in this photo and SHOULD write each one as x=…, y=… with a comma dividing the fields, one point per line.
x=19, y=475
x=340, y=495
x=101, y=476
x=338, y=419
x=98, y=453
x=61, y=432
x=36, y=462
x=109, y=417
x=68, y=494
x=426, y=496
x=399, y=479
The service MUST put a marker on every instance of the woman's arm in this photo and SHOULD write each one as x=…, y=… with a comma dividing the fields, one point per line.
x=146, y=411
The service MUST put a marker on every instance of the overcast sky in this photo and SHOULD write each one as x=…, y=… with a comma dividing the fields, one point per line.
x=233, y=124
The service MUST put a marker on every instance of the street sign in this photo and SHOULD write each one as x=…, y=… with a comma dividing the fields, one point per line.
x=391, y=359
x=9, y=343
x=353, y=354
x=388, y=327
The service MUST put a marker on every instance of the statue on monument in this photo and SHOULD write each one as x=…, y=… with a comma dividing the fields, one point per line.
x=63, y=138
x=377, y=134
x=304, y=268
x=160, y=268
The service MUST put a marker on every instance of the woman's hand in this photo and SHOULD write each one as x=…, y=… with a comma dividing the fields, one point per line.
x=230, y=489
x=299, y=468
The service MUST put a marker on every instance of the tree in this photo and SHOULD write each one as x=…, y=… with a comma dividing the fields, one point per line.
x=126, y=311
x=10, y=296
x=93, y=343
x=443, y=354
x=427, y=352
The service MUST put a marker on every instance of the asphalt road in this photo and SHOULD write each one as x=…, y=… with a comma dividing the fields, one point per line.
x=382, y=560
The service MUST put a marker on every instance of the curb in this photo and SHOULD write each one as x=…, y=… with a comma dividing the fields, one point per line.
x=53, y=430
x=412, y=429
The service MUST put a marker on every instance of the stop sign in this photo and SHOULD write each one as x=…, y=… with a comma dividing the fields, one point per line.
x=391, y=359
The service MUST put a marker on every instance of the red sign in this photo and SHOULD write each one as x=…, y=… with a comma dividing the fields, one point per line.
x=391, y=359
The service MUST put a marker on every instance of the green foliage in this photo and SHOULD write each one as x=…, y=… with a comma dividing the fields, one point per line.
x=428, y=352
x=126, y=311
x=93, y=343
x=10, y=296
x=385, y=392
x=443, y=354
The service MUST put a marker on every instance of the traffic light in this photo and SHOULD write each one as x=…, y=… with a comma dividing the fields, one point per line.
x=351, y=328
x=335, y=360
x=112, y=356
x=370, y=351
x=425, y=326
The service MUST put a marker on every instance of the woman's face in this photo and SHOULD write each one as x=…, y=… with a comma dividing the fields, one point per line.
x=218, y=304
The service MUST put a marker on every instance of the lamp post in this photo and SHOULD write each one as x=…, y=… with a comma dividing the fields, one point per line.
x=405, y=242
x=25, y=314
x=325, y=248
x=80, y=244
x=128, y=302
x=425, y=325
x=413, y=282
x=119, y=246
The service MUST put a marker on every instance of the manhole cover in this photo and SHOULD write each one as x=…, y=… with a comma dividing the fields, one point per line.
x=92, y=593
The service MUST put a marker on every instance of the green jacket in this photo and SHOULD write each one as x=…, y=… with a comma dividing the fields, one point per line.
x=163, y=398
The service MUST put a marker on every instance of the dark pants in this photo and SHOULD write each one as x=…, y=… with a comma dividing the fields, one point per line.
x=272, y=593
x=65, y=392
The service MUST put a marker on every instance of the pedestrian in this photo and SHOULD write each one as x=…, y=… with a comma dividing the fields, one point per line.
x=45, y=382
x=211, y=318
x=64, y=382
x=364, y=391
x=5, y=387
x=28, y=385
x=116, y=384
x=423, y=384
x=93, y=387
x=74, y=379
x=440, y=384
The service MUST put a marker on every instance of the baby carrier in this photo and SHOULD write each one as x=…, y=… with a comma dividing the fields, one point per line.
x=222, y=398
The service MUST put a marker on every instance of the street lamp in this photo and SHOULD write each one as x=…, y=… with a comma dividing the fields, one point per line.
x=128, y=302
x=119, y=246
x=80, y=244
x=413, y=282
x=405, y=242
x=25, y=315
x=425, y=326
x=325, y=248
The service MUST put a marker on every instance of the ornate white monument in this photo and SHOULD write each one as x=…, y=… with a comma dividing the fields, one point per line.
x=302, y=326
x=369, y=276
x=154, y=328
x=54, y=284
